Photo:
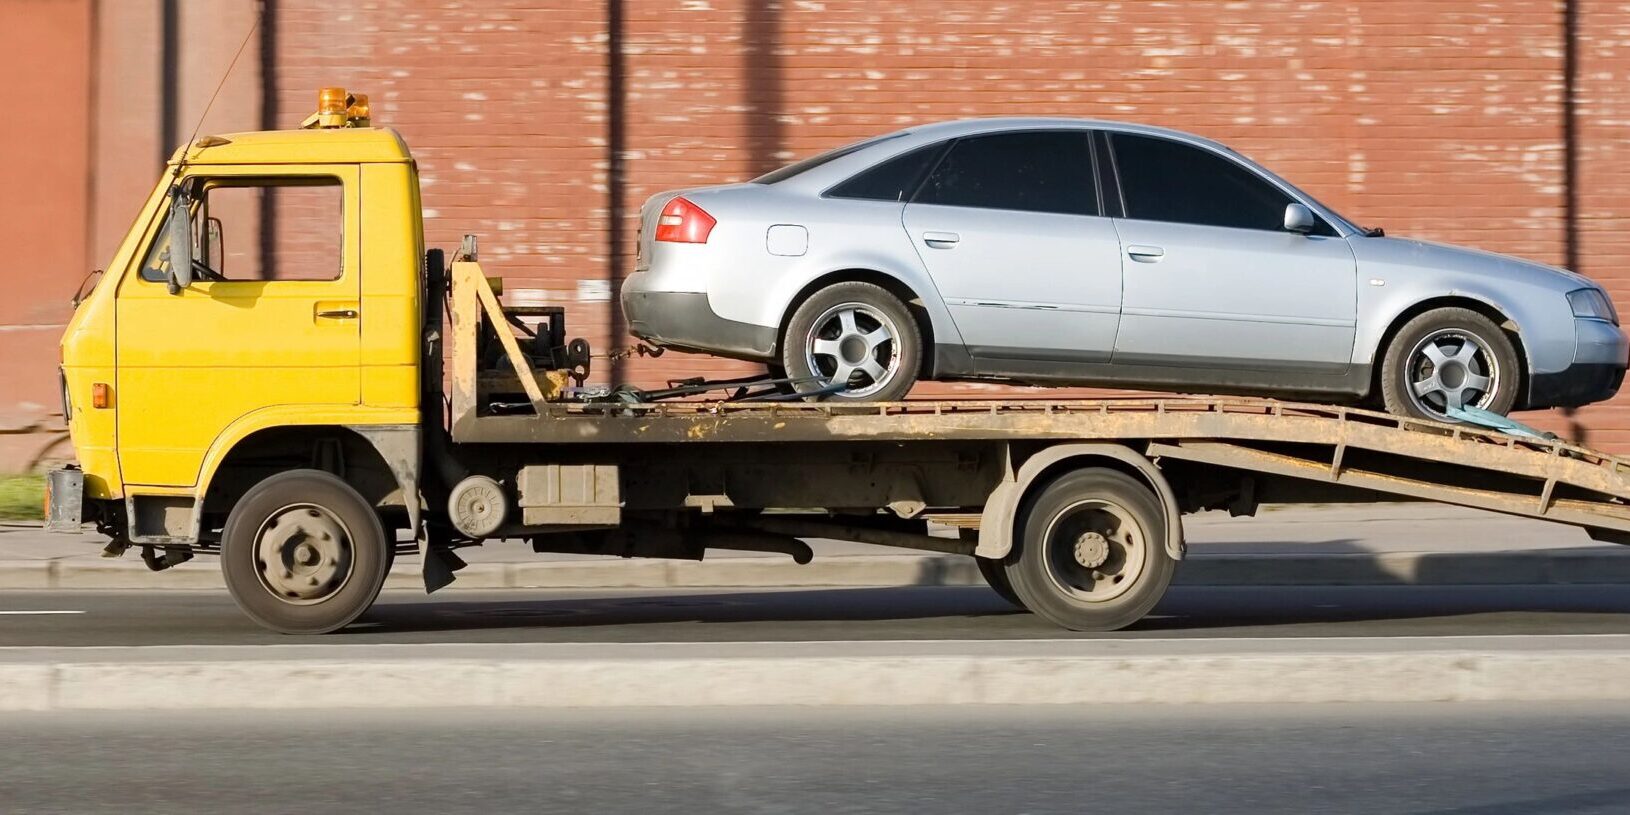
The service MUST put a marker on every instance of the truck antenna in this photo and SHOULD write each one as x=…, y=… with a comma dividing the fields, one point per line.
x=260, y=13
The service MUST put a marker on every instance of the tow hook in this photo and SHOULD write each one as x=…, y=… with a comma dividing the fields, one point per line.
x=173, y=555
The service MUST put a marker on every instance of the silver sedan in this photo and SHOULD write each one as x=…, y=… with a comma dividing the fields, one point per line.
x=1100, y=253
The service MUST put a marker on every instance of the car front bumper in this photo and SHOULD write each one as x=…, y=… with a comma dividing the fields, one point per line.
x=1599, y=359
x=685, y=321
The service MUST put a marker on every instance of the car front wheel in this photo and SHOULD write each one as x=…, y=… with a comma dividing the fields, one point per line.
x=857, y=336
x=1448, y=359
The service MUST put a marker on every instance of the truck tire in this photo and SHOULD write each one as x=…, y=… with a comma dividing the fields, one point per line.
x=1449, y=356
x=858, y=333
x=304, y=553
x=995, y=573
x=1092, y=551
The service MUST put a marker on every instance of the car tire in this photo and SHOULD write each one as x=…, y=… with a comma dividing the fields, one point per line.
x=1092, y=551
x=1438, y=359
x=304, y=553
x=858, y=328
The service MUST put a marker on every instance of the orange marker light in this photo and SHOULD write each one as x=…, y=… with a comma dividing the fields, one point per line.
x=331, y=101
x=100, y=393
x=359, y=112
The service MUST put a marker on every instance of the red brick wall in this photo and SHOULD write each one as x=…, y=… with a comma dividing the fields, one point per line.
x=44, y=152
x=1439, y=119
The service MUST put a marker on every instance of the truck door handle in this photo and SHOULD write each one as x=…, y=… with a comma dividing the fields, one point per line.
x=339, y=313
x=941, y=240
x=1145, y=254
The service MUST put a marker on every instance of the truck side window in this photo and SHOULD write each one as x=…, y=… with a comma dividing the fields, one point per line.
x=268, y=229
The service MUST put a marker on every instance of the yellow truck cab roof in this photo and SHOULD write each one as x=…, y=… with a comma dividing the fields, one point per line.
x=344, y=145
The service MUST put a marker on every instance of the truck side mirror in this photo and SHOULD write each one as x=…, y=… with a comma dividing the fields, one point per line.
x=180, y=241
x=214, y=249
x=1298, y=218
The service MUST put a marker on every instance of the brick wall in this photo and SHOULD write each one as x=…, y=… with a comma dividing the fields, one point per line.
x=1439, y=119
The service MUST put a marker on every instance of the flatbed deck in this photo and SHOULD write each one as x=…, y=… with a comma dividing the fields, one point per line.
x=1407, y=458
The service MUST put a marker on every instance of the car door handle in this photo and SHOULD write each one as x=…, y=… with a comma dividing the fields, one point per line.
x=941, y=240
x=1145, y=254
x=339, y=313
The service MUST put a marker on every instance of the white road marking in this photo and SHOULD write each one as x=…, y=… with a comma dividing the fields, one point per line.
x=43, y=611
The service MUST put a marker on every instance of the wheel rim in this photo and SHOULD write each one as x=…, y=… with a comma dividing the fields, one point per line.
x=1095, y=550
x=855, y=345
x=1451, y=368
x=303, y=554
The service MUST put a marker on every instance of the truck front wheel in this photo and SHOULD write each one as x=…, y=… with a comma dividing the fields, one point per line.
x=304, y=553
x=1093, y=554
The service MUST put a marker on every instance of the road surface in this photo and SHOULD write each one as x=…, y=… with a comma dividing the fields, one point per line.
x=1219, y=760
x=93, y=618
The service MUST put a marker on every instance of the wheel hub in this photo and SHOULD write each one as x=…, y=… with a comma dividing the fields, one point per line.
x=1091, y=550
x=303, y=554
x=853, y=344
x=1452, y=369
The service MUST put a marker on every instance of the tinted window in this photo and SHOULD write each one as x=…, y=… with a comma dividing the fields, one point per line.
x=1164, y=180
x=801, y=167
x=893, y=180
x=1031, y=171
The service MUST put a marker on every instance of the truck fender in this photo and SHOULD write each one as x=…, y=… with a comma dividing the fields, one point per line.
x=996, y=522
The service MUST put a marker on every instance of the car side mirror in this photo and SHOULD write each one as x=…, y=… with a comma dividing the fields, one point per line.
x=180, y=248
x=214, y=249
x=1298, y=218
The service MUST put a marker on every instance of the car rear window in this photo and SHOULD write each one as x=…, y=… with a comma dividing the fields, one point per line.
x=893, y=180
x=801, y=167
x=1031, y=171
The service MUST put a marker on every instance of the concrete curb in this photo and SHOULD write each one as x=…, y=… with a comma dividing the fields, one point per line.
x=1377, y=569
x=434, y=682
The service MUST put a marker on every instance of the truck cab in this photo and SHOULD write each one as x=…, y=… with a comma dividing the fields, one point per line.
x=237, y=309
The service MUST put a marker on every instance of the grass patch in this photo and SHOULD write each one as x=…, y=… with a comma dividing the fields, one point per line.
x=21, y=497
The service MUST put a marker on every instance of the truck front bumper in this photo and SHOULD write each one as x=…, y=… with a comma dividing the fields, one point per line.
x=65, y=500
x=1597, y=371
x=685, y=321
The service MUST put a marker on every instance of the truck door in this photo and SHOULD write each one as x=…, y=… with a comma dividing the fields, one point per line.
x=271, y=320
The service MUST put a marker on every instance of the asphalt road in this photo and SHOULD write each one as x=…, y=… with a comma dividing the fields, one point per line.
x=89, y=618
x=1219, y=760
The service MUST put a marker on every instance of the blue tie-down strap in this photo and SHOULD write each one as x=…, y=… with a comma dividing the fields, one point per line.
x=1494, y=421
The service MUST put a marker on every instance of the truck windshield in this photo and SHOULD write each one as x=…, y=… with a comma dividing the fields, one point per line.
x=801, y=167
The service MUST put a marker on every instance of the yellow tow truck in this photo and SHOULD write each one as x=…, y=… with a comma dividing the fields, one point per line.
x=260, y=375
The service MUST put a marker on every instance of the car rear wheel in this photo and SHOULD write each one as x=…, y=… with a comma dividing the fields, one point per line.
x=1446, y=359
x=857, y=335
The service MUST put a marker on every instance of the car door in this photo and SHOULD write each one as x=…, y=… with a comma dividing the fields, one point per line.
x=1009, y=226
x=1211, y=277
x=277, y=323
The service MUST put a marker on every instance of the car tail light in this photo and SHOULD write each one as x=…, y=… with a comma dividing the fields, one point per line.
x=684, y=222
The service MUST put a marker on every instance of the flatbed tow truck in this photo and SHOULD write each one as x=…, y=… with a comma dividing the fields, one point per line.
x=308, y=431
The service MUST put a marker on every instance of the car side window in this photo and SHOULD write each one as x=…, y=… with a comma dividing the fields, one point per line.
x=1164, y=180
x=1031, y=171
x=892, y=180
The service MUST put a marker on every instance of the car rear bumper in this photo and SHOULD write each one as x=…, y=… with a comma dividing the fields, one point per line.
x=685, y=321
x=1596, y=373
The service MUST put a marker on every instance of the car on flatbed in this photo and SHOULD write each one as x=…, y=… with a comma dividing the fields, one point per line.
x=1084, y=252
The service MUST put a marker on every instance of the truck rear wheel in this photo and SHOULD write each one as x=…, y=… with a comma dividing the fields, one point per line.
x=1092, y=551
x=304, y=553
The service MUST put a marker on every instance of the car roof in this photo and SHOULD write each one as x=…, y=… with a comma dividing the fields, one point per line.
x=996, y=124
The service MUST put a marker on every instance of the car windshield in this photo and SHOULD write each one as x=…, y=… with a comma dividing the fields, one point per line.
x=801, y=167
